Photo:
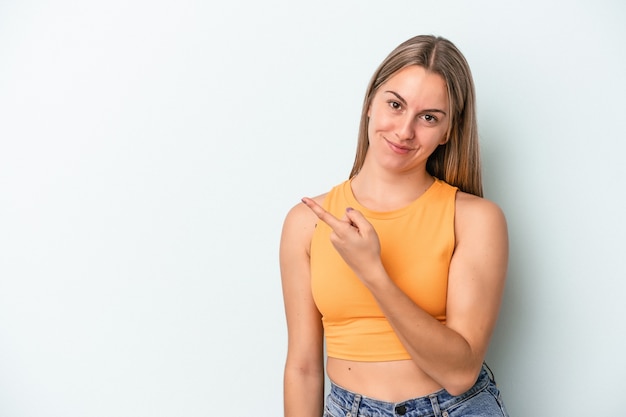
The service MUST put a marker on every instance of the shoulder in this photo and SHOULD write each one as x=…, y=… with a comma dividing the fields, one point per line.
x=299, y=225
x=476, y=215
x=301, y=214
x=302, y=218
x=471, y=204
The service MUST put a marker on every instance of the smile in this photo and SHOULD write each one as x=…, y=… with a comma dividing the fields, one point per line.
x=399, y=148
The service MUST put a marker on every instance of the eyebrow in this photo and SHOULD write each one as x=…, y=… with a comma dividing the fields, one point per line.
x=399, y=97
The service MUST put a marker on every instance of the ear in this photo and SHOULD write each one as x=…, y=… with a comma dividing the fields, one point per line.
x=445, y=139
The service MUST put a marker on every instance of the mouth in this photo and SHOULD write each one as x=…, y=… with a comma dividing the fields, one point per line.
x=401, y=149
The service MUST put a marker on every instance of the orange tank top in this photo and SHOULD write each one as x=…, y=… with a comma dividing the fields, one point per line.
x=417, y=242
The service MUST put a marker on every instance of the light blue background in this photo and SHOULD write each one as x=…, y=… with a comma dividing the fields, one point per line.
x=149, y=151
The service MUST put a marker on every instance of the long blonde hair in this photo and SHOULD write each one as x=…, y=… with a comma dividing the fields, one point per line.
x=458, y=160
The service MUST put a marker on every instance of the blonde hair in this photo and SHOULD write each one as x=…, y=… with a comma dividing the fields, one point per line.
x=457, y=162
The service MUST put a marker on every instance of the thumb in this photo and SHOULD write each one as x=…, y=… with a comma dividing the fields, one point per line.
x=356, y=218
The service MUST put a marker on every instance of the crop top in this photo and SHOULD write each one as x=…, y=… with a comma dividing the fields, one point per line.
x=417, y=242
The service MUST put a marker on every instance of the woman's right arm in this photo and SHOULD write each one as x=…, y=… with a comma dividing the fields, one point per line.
x=304, y=367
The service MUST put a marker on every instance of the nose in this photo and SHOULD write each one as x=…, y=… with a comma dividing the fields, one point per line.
x=405, y=129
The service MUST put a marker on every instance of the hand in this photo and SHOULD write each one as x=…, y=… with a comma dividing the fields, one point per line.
x=353, y=237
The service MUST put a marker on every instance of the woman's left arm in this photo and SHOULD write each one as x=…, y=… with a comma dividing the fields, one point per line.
x=451, y=354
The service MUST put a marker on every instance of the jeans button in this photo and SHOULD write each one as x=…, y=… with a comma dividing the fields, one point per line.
x=401, y=410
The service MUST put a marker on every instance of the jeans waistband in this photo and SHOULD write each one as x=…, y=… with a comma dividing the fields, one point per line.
x=428, y=404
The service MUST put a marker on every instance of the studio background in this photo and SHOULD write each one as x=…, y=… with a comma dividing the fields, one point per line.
x=149, y=151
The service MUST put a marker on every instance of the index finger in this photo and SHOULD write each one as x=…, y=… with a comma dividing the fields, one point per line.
x=322, y=214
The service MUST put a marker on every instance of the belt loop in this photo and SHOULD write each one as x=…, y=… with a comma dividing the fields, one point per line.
x=435, y=404
x=355, y=406
x=492, y=377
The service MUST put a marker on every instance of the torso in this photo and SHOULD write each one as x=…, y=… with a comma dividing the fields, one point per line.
x=391, y=381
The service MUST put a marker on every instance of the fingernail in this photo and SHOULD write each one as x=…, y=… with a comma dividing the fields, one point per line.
x=349, y=209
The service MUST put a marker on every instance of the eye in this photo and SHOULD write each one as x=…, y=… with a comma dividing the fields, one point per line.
x=395, y=105
x=430, y=118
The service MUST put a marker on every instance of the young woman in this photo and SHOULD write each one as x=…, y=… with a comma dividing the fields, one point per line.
x=401, y=268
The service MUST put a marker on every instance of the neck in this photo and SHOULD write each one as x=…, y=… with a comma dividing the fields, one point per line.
x=384, y=192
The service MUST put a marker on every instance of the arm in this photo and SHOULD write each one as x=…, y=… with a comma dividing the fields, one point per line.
x=450, y=354
x=304, y=369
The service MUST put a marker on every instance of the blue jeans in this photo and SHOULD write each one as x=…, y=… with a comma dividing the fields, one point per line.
x=482, y=400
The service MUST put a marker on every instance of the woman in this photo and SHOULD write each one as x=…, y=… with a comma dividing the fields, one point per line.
x=402, y=267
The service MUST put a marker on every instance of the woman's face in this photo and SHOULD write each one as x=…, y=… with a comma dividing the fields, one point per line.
x=408, y=119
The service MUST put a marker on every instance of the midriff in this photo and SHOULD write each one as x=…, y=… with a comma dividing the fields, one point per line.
x=391, y=381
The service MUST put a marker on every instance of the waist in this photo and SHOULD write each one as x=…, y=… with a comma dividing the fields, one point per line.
x=389, y=380
x=349, y=400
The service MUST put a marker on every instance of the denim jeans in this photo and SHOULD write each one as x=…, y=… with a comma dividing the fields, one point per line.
x=483, y=399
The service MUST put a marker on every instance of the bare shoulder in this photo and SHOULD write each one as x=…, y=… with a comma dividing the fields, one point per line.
x=301, y=215
x=299, y=224
x=477, y=215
